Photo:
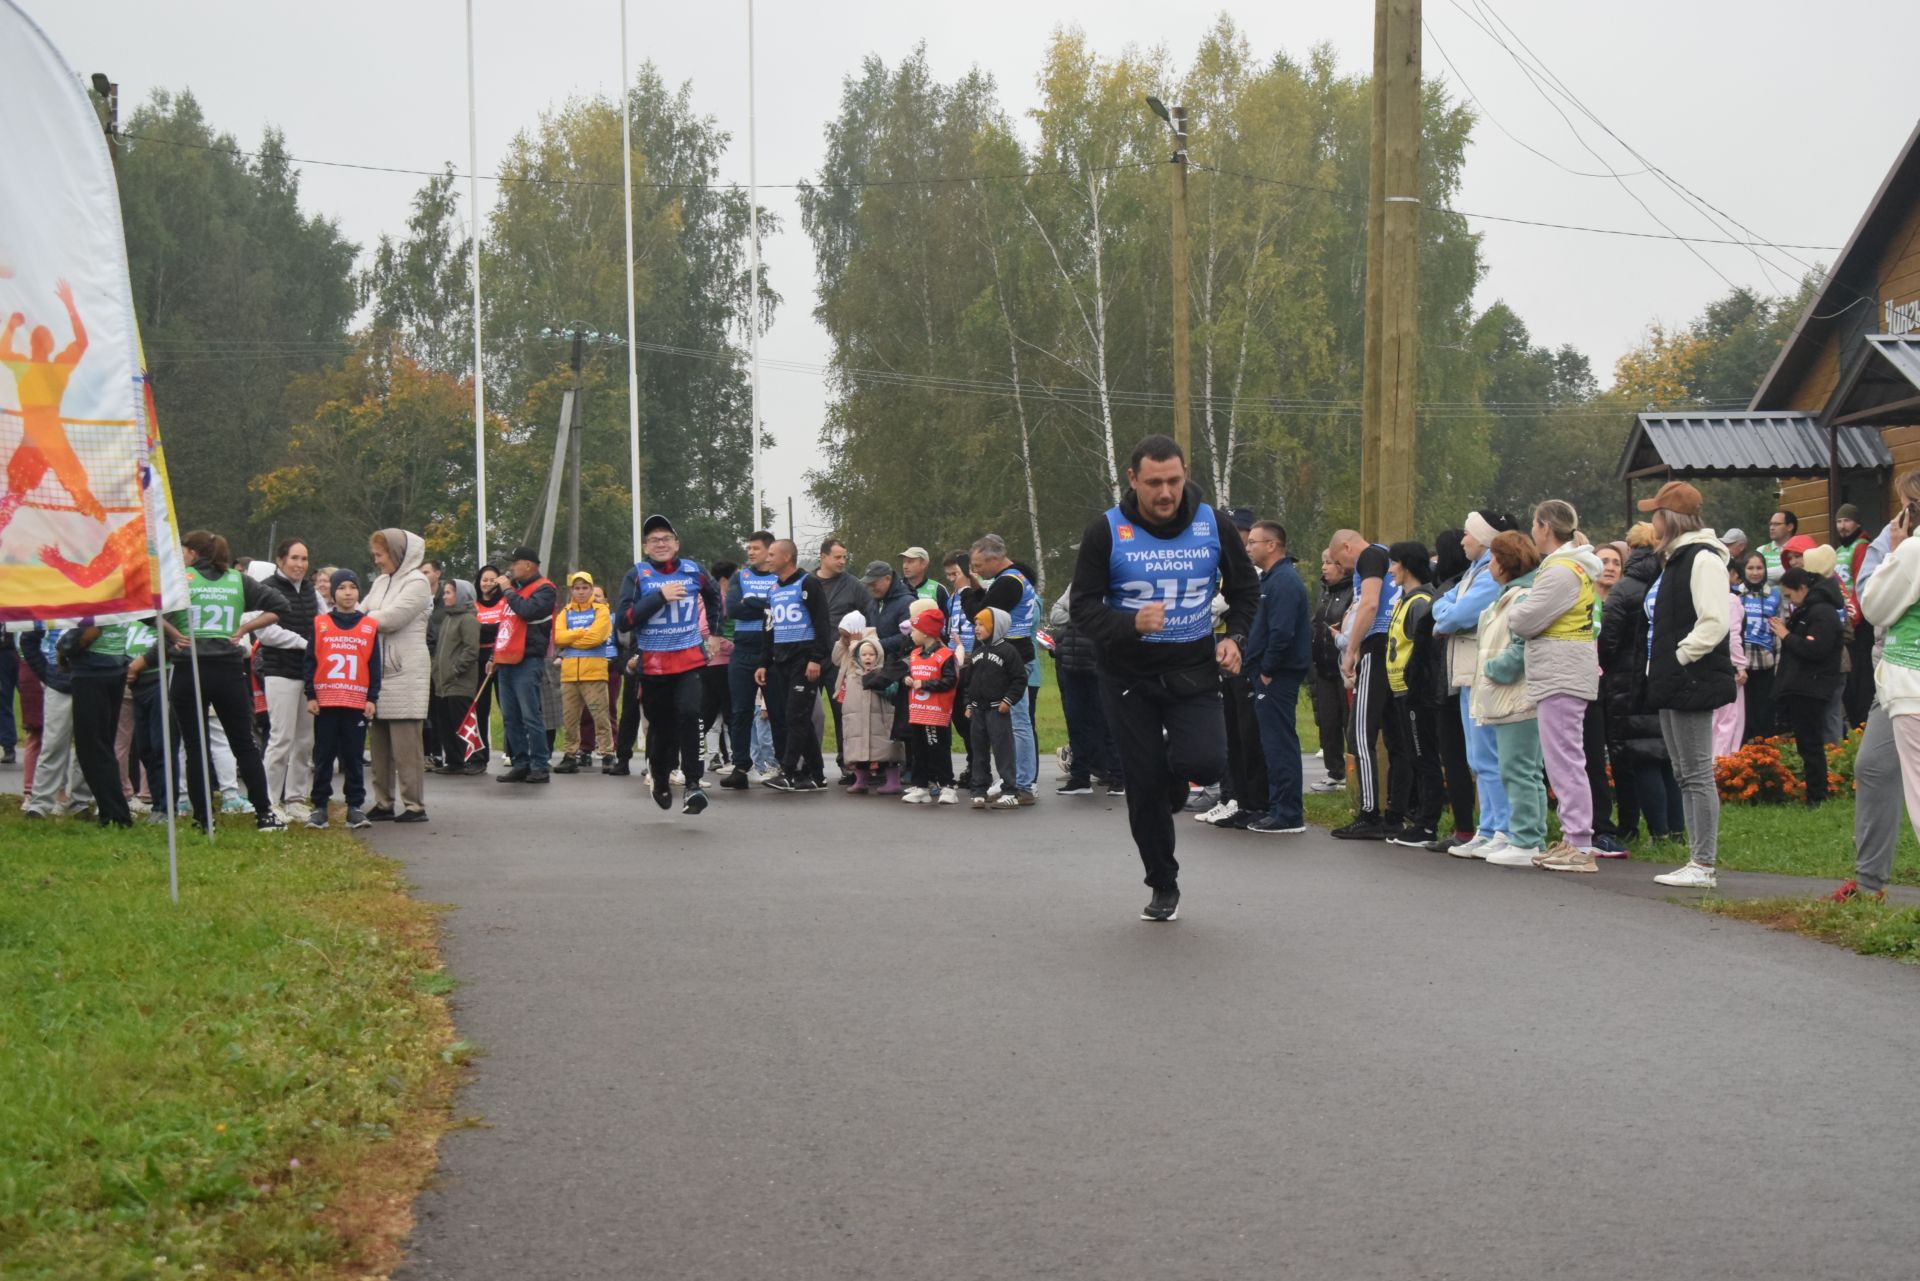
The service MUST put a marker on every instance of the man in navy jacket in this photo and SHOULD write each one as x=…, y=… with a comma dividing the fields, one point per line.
x=1279, y=657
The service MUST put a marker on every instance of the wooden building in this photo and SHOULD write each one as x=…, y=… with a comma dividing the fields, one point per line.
x=1838, y=415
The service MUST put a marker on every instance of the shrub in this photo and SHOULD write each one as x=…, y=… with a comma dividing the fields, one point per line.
x=1770, y=771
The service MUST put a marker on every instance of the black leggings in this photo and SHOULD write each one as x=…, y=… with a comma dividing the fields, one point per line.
x=1808, y=716
x=96, y=719
x=229, y=697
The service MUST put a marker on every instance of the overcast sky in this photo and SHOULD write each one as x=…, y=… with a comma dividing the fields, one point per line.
x=1783, y=114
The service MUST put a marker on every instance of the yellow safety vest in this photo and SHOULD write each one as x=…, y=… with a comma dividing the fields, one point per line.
x=1577, y=623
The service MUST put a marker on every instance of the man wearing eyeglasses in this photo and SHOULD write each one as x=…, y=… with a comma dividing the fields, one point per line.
x=664, y=600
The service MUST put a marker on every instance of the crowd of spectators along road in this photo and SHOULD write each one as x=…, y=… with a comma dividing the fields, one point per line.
x=1509, y=670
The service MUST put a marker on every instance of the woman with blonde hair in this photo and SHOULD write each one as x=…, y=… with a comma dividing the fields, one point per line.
x=399, y=600
x=1689, y=666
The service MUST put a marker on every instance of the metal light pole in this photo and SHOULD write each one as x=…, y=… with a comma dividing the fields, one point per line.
x=753, y=293
x=1176, y=119
x=633, y=350
x=479, y=381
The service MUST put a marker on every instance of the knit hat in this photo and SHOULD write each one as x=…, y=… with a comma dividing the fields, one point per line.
x=854, y=623
x=1481, y=528
x=1819, y=561
x=1848, y=512
x=928, y=620
x=343, y=576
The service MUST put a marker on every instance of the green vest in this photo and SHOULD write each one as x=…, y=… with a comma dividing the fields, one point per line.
x=112, y=640
x=1903, y=641
x=928, y=590
x=215, y=605
x=137, y=637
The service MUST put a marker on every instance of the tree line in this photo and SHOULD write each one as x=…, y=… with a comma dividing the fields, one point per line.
x=996, y=289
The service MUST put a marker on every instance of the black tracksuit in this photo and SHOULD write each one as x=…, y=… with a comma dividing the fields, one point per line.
x=792, y=694
x=997, y=675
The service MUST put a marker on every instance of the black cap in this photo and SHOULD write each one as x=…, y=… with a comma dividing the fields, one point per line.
x=526, y=553
x=876, y=571
x=656, y=522
x=1242, y=518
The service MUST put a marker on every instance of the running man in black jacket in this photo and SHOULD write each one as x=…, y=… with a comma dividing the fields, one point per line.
x=1143, y=593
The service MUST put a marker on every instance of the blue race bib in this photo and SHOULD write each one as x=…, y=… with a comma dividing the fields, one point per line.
x=1182, y=573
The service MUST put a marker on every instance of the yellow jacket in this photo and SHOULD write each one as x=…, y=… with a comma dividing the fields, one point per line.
x=583, y=651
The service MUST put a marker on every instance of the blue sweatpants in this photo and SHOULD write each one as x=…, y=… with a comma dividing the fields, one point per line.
x=1483, y=757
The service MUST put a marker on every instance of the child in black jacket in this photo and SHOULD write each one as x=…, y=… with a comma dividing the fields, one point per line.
x=997, y=676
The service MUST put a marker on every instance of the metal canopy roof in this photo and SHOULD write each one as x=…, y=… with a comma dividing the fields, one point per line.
x=1881, y=385
x=1902, y=352
x=1727, y=445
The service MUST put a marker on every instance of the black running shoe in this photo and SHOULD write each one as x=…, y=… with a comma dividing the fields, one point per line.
x=1268, y=825
x=620, y=769
x=569, y=764
x=780, y=783
x=269, y=822
x=1164, y=907
x=1075, y=787
x=696, y=801
x=1362, y=829
x=735, y=782
x=381, y=814
x=808, y=785
x=663, y=795
x=410, y=816
x=1116, y=789
x=539, y=776
x=1414, y=838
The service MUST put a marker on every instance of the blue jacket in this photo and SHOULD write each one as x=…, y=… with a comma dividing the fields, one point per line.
x=1280, y=643
x=1459, y=610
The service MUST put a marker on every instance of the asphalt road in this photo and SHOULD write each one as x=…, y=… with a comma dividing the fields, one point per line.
x=833, y=1037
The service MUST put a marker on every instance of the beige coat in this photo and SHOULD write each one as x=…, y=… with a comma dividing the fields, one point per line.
x=1494, y=703
x=400, y=603
x=866, y=715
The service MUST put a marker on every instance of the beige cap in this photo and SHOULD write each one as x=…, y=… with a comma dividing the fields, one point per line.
x=915, y=553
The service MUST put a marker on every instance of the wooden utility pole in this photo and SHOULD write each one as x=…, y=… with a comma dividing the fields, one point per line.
x=1182, y=334
x=1391, y=387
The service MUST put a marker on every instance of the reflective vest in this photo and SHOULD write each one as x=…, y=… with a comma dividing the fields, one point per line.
x=342, y=661
x=927, y=590
x=579, y=620
x=136, y=639
x=1024, y=613
x=510, y=642
x=1399, y=642
x=1181, y=572
x=214, y=605
x=1903, y=641
x=490, y=615
x=1577, y=623
x=1760, y=608
x=676, y=625
x=752, y=584
x=792, y=623
x=959, y=626
x=923, y=706
x=1389, y=597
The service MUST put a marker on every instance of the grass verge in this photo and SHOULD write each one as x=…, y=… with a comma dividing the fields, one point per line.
x=248, y=1084
x=1874, y=929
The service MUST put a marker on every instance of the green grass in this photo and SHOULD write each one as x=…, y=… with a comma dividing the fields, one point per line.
x=247, y=1084
x=1874, y=929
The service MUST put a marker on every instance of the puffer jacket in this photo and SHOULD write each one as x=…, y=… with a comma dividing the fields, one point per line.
x=1072, y=652
x=1335, y=600
x=400, y=602
x=1632, y=727
x=866, y=714
x=1558, y=667
x=1499, y=687
x=1810, y=651
x=302, y=604
x=456, y=661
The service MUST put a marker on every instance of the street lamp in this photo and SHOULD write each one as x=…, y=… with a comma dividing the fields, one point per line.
x=1176, y=119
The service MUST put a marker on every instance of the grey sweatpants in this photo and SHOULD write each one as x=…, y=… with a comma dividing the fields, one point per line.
x=1878, y=782
x=1689, y=740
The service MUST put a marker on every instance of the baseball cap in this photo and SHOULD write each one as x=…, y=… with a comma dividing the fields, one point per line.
x=1674, y=496
x=915, y=553
x=877, y=570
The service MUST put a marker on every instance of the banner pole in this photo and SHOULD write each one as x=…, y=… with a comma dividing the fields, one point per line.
x=479, y=379
x=633, y=353
x=166, y=764
x=753, y=280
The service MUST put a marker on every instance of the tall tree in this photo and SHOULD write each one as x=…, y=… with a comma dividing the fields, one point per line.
x=238, y=291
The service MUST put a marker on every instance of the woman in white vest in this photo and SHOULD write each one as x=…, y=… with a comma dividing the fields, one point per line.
x=1890, y=600
x=399, y=600
x=1501, y=699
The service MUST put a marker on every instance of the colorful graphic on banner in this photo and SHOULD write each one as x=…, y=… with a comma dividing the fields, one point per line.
x=86, y=519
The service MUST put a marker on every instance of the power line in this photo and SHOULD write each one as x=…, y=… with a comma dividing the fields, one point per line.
x=942, y=179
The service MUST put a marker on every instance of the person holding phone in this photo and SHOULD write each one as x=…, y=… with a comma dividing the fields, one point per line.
x=1890, y=601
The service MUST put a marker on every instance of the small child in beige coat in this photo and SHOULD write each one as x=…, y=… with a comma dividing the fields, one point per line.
x=866, y=715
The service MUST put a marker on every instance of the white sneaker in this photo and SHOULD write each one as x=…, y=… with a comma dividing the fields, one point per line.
x=677, y=778
x=1495, y=843
x=993, y=793
x=762, y=775
x=1330, y=785
x=948, y=796
x=1691, y=877
x=1513, y=856
x=1219, y=813
x=1475, y=848
x=918, y=796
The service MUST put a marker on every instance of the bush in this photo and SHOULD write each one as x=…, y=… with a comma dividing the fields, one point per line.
x=1770, y=771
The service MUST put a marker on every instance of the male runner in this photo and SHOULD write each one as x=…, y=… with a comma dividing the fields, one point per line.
x=1143, y=593
x=802, y=640
x=747, y=606
x=660, y=601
